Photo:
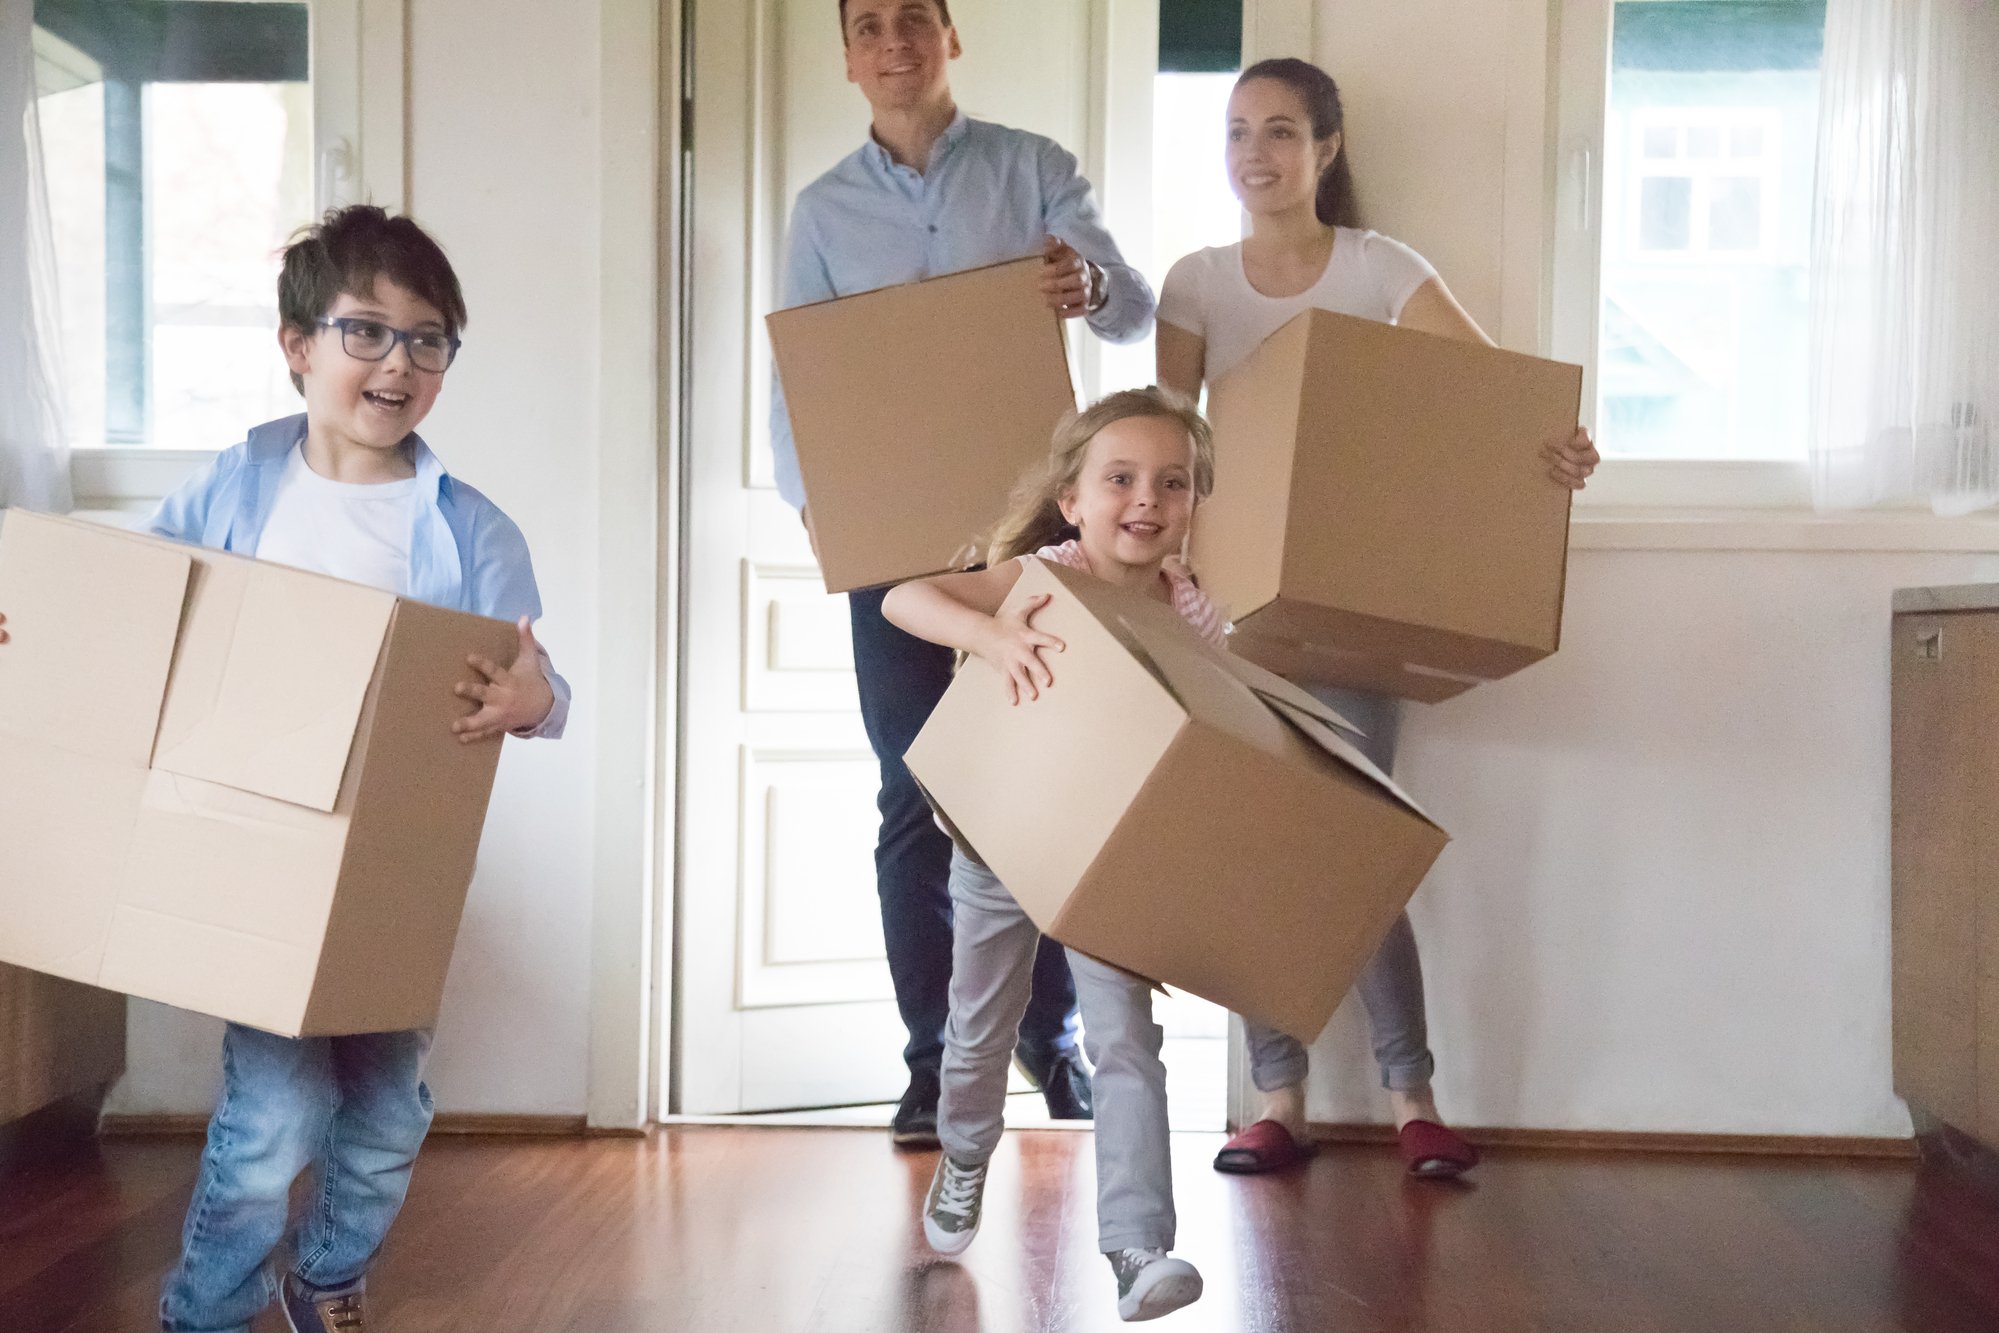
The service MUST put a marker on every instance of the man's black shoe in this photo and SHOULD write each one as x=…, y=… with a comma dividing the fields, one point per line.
x=915, y=1123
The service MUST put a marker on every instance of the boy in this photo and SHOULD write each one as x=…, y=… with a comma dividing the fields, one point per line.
x=933, y=192
x=369, y=312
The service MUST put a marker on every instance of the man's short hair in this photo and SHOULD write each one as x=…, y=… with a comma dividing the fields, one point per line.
x=346, y=250
x=943, y=12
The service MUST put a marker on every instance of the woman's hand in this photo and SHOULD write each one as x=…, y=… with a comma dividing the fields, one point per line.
x=1014, y=648
x=515, y=699
x=1571, y=458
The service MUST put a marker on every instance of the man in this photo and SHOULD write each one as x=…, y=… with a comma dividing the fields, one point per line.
x=933, y=192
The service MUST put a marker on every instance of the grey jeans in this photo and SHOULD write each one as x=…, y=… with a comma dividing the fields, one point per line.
x=992, y=964
x=1391, y=985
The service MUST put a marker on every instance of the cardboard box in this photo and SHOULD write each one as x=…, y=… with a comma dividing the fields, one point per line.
x=915, y=409
x=232, y=786
x=1382, y=517
x=1183, y=815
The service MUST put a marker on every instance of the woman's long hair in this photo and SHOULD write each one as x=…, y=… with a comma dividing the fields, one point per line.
x=1034, y=515
x=1335, y=204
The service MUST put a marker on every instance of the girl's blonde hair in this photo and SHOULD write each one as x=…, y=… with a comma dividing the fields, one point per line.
x=1034, y=515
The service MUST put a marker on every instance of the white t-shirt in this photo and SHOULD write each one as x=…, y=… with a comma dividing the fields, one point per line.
x=1208, y=295
x=358, y=531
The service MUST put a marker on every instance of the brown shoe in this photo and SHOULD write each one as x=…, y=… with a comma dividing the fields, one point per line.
x=310, y=1311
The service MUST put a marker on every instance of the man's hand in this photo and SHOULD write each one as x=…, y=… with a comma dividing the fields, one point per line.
x=1571, y=458
x=811, y=533
x=1014, y=649
x=1068, y=281
x=515, y=699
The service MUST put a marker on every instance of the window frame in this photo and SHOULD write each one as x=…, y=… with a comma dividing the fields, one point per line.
x=1580, y=123
x=359, y=62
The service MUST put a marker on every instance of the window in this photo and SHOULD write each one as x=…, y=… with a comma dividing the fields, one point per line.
x=1710, y=128
x=1200, y=54
x=178, y=144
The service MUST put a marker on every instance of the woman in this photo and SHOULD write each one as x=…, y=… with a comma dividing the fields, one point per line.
x=1306, y=250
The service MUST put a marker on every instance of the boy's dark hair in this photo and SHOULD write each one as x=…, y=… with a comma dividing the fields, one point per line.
x=1336, y=205
x=943, y=12
x=345, y=251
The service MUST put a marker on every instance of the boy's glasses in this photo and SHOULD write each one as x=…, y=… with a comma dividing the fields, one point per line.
x=372, y=340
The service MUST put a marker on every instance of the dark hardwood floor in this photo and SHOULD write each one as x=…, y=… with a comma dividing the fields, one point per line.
x=716, y=1229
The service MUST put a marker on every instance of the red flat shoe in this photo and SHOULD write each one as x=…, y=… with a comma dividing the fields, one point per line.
x=1264, y=1146
x=1435, y=1152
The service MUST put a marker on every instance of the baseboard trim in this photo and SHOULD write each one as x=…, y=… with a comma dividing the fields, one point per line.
x=1645, y=1141
x=506, y=1126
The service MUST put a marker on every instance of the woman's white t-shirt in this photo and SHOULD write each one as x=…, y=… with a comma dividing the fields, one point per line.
x=354, y=531
x=1208, y=295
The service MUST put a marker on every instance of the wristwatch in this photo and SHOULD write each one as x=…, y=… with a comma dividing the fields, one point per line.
x=1100, y=287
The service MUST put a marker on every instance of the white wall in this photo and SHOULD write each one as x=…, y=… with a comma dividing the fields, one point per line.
x=503, y=138
x=1666, y=905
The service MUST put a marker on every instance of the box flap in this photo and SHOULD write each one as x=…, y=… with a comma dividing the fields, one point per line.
x=269, y=683
x=92, y=616
x=1340, y=748
x=914, y=410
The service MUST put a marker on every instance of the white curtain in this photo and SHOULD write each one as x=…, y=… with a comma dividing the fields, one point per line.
x=1905, y=267
x=34, y=464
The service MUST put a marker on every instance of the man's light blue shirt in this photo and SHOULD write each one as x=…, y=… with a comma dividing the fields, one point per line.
x=988, y=194
x=465, y=553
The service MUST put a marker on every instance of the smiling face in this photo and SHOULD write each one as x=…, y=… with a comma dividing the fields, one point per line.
x=371, y=405
x=899, y=52
x=1274, y=163
x=1133, y=500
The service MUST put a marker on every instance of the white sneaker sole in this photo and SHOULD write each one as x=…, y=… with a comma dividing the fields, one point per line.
x=947, y=1243
x=1166, y=1285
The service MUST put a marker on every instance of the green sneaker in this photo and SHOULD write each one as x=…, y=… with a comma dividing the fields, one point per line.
x=1151, y=1283
x=951, y=1210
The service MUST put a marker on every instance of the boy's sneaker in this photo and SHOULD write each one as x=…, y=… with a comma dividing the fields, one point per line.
x=951, y=1210
x=915, y=1123
x=1151, y=1283
x=308, y=1310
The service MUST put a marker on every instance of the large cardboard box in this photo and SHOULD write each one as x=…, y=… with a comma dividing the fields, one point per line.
x=1382, y=517
x=232, y=786
x=915, y=409
x=1183, y=815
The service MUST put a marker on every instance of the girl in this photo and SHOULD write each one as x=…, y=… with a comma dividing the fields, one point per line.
x=1115, y=500
x=1306, y=250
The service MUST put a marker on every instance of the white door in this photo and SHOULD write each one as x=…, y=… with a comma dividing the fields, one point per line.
x=784, y=997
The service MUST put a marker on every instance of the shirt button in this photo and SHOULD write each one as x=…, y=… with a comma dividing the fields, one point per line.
x=933, y=229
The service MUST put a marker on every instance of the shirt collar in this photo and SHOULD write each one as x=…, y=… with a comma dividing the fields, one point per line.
x=946, y=141
x=274, y=441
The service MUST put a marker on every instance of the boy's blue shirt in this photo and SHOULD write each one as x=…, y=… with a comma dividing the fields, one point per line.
x=465, y=553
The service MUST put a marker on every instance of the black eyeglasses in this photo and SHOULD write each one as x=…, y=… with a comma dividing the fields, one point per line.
x=372, y=340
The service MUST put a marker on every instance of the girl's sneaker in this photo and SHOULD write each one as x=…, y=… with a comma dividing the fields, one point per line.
x=951, y=1212
x=1151, y=1283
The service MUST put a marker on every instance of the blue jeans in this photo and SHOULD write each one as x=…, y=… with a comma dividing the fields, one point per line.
x=355, y=1109
x=901, y=678
x=1391, y=985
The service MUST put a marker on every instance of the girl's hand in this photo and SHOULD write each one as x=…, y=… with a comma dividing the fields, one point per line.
x=516, y=699
x=1571, y=458
x=1013, y=648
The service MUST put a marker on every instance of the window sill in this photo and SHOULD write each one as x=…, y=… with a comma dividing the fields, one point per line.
x=129, y=478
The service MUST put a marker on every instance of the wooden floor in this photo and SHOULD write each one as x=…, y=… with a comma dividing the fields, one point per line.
x=765, y=1230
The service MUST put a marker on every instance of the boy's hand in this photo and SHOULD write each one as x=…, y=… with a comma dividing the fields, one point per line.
x=516, y=699
x=1571, y=458
x=1014, y=648
x=1067, y=279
